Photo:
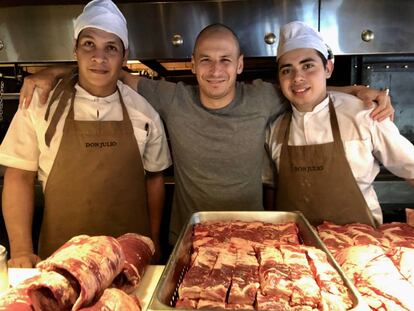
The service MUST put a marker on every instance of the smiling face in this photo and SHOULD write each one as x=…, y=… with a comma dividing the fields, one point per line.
x=216, y=62
x=302, y=78
x=100, y=57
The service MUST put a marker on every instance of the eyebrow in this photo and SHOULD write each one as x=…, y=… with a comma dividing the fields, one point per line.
x=93, y=38
x=309, y=59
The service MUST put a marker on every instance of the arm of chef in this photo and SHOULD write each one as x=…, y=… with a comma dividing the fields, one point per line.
x=18, y=208
x=155, y=201
x=393, y=150
x=156, y=158
x=19, y=152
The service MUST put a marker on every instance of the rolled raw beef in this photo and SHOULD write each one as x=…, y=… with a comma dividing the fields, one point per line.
x=138, y=251
x=52, y=291
x=16, y=299
x=89, y=263
x=46, y=291
x=115, y=300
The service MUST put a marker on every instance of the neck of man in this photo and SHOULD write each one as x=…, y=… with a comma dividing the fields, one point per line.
x=98, y=91
x=310, y=106
x=217, y=103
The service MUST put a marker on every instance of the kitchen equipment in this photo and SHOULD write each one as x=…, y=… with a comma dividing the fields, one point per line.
x=166, y=292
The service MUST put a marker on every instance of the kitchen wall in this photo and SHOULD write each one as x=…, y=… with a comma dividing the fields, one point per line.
x=373, y=42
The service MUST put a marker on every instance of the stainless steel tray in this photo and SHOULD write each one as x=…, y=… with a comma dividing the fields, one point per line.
x=166, y=292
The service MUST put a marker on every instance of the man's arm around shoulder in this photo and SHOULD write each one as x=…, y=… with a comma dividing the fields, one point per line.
x=130, y=79
x=369, y=96
x=18, y=208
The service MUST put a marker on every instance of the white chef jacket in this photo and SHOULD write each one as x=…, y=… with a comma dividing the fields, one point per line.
x=366, y=142
x=24, y=145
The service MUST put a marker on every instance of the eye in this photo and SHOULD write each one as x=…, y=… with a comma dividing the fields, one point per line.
x=112, y=48
x=284, y=71
x=226, y=60
x=88, y=43
x=308, y=66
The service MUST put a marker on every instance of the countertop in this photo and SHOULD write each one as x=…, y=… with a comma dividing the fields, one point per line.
x=144, y=292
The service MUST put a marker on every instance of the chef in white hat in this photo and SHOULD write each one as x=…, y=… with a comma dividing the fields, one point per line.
x=327, y=149
x=98, y=149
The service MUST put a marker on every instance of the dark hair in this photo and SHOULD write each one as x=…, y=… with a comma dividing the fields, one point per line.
x=324, y=60
x=216, y=27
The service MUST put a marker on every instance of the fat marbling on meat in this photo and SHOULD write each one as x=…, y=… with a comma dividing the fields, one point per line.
x=138, y=251
x=91, y=261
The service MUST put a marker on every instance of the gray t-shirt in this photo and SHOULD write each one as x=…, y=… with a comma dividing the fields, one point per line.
x=217, y=153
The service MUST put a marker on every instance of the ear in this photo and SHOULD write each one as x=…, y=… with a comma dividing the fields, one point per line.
x=329, y=68
x=240, y=64
x=125, y=59
x=193, y=64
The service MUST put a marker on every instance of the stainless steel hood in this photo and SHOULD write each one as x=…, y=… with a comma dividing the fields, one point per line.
x=41, y=30
x=157, y=30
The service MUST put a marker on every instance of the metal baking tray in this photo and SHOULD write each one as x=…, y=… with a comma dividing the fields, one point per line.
x=166, y=292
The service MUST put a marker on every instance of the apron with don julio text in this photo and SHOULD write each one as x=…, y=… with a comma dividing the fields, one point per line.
x=317, y=180
x=97, y=182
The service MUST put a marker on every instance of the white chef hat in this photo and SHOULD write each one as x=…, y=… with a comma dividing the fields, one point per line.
x=104, y=15
x=298, y=35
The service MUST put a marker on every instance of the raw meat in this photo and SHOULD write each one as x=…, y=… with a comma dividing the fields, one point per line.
x=403, y=258
x=194, y=279
x=138, y=251
x=31, y=293
x=305, y=291
x=114, y=299
x=52, y=291
x=369, y=267
x=274, y=273
x=399, y=234
x=186, y=303
x=334, y=294
x=17, y=299
x=215, y=287
x=245, y=281
x=91, y=262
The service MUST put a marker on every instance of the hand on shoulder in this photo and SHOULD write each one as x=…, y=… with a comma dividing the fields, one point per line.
x=45, y=80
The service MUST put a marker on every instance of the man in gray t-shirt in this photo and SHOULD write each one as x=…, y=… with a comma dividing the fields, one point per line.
x=217, y=153
x=217, y=129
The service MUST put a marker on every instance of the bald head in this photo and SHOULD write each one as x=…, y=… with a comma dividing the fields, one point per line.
x=216, y=30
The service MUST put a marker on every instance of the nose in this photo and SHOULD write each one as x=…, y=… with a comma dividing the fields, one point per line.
x=99, y=56
x=215, y=68
x=297, y=76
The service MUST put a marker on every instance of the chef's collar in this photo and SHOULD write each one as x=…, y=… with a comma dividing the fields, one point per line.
x=82, y=93
x=315, y=110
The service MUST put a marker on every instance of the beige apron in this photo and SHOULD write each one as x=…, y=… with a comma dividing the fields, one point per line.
x=97, y=182
x=317, y=180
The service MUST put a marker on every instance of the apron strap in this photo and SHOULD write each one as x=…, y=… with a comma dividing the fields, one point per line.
x=68, y=81
x=125, y=117
x=284, y=128
x=336, y=134
x=67, y=85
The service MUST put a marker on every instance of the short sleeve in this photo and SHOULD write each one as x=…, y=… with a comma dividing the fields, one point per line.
x=19, y=148
x=158, y=93
x=156, y=157
x=392, y=149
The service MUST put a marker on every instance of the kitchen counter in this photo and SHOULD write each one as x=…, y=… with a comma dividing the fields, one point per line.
x=144, y=292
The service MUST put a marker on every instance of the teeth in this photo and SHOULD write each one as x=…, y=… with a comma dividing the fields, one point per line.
x=299, y=90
